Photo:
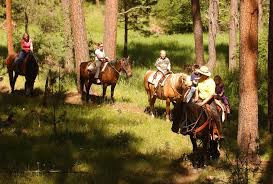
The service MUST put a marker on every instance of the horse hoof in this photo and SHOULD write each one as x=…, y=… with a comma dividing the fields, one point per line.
x=153, y=116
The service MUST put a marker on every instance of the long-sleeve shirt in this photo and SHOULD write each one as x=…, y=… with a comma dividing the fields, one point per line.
x=163, y=65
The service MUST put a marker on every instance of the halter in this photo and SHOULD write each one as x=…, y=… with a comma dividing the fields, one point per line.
x=192, y=127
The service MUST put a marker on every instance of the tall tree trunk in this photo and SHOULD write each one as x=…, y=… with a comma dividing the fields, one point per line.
x=79, y=36
x=98, y=3
x=125, y=49
x=260, y=19
x=270, y=69
x=232, y=35
x=248, y=105
x=9, y=27
x=198, y=32
x=213, y=28
x=110, y=28
x=69, y=59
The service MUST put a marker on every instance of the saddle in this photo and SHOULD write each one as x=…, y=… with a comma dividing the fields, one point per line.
x=92, y=68
x=158, y=78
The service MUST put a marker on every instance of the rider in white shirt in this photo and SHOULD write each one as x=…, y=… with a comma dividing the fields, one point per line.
x=100, y=56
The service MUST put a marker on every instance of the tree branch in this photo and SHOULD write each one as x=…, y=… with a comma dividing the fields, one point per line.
x=133, y=9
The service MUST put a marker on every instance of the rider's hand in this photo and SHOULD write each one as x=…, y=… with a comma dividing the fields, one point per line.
x=200, y=104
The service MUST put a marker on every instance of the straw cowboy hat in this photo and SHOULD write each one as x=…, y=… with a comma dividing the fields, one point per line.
x=204, y=71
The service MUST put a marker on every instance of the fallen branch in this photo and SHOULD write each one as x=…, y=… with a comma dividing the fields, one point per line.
x=133, y=9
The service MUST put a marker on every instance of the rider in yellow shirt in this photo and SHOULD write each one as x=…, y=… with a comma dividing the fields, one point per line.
x=205, y=88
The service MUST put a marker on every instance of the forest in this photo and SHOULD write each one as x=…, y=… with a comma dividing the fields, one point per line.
x=60, y=123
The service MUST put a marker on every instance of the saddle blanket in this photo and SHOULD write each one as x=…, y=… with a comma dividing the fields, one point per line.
x=92, y=66
x=158, y=77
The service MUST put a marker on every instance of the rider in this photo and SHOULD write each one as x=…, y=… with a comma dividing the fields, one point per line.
x=26, y=48
x=163, y=66
x=205, y=90
x=99, y=58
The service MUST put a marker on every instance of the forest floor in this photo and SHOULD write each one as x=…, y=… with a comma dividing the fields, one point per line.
x=105, y=143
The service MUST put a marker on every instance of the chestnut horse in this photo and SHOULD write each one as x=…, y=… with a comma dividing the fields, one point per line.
x=203, y=123
x=175, y=88
x=29, y=68
x=108, y=77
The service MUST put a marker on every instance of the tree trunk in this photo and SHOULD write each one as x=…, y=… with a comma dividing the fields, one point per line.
x=270, y=69
x=213, y=28
x=125, y=49
x=98, y=3
x=248, y=105
x=69, y=60
x=9, y=27
x=260, y=19
x=232, y=35
x=110, y=28
x=198, y=32
x=79, y=36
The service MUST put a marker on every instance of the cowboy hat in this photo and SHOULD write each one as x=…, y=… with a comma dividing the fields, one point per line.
x=204, y=71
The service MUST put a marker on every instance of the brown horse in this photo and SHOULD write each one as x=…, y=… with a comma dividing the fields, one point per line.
x=201, y=123
x=174, y=89
x=108, y=77
x=29, y=68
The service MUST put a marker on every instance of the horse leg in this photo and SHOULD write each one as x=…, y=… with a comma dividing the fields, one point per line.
x=152, y=108
x=112, y=92
x=87, y=88
x=11, y=82
x=168, y=103
x=104, y=91
x=194, y=150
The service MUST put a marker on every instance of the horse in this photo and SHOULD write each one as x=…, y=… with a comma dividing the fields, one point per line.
x=108, y=77
x=29, y=68
x=200, y=123
x=175, y=88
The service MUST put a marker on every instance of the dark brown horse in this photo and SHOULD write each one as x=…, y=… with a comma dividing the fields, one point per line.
x=29, y=68
x=108, y=77
x=202, y=123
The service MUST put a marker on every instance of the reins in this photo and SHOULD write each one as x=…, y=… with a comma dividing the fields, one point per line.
x=192, y=127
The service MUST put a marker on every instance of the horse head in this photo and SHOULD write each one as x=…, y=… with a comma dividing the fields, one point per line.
x=126, y=66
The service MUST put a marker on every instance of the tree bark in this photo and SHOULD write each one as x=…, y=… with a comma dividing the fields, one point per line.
x=9, y=27
x=98, y=3
x=270, y=69
x=213, y=28
x=260, y=19
x=69, y=60
x=198, y=32
x=248, y=105
x=79, y=36
x=232, y=35
x=110, y=28
x=125, y=49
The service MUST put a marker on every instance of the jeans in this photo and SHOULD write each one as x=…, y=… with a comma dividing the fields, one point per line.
x=98, y=64
x=191, y=93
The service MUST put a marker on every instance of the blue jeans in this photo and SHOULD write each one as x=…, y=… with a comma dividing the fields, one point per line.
x=191, y=93
x=22, y=55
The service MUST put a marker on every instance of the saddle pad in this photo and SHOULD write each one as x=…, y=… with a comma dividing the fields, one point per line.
x=158, y=77
x=151, y=78
x=91, y=66
x=222, y=106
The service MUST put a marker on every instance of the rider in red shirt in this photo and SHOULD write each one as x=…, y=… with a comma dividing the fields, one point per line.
x=26, y=48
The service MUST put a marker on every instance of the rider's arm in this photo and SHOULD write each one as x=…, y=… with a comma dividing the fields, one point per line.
x=31, y=46
x=206, y=100
x=169, y=65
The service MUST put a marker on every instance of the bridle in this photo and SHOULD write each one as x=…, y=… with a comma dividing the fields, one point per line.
x=122, y=65
x=191, y=128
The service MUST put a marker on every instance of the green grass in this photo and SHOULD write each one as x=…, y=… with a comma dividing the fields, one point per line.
x=110, y=143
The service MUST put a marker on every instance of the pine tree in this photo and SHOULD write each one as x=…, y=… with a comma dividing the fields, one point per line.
x=79, y=36
x=110, y=28
x=198, y=32
x=248, y=105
